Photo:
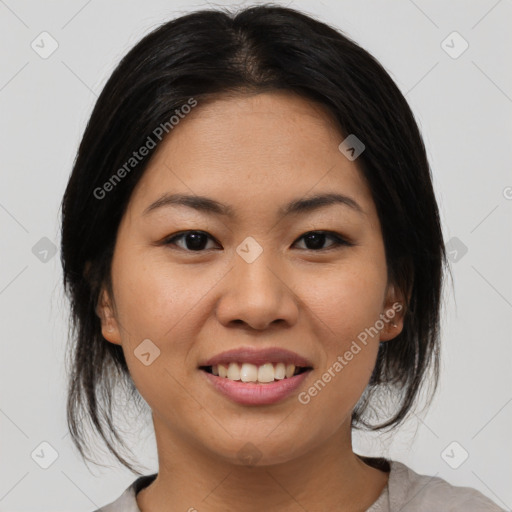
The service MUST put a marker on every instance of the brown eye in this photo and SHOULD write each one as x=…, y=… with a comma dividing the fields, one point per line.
x=193, y=240
x=314, y=240
x=196, y=241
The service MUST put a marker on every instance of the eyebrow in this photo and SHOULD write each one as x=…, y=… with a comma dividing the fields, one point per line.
x=297, y=206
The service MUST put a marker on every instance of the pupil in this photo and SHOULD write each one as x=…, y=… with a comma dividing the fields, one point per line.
x=317, y=238
x=197, y=243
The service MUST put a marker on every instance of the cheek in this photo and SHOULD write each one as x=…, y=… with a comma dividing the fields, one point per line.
x=347, y=301
x=153, y=301
x=347, y=306
x=152, y=297
x=159, y=302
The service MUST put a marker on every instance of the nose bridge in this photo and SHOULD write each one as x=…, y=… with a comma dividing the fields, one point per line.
x=258, y=276
x=256, y=292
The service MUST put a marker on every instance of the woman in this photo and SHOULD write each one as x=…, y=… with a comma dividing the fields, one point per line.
x=259, y=349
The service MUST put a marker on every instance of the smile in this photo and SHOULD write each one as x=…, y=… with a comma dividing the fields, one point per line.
x=262, y=374
x=256, y=376
x=254, y=393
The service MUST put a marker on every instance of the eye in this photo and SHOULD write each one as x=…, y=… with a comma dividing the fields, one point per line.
x=315, y=239
x=195, y=240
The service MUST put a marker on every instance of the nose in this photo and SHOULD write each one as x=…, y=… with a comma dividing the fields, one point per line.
x=257, y=294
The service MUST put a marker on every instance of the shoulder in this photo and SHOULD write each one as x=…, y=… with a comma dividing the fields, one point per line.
x=127, y=502
x=409, y=491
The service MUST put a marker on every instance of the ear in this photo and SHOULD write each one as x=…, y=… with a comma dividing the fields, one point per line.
x=392, y=313
x=109, y=324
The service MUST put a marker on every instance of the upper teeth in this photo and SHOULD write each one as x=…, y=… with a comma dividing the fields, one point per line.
x=247, y=372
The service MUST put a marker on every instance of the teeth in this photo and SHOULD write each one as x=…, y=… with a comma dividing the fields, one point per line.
x=233, y=371
x=280, y=371
x=266, y=373
x=247, y=372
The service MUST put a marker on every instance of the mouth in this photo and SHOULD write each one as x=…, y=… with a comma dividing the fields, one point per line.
x=256, y=374
x=256, y=377
x=261, y=365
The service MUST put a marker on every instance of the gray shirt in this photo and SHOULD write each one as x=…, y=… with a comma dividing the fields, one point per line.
x=406, y=491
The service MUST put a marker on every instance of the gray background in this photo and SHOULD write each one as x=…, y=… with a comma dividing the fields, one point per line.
x=463, y=104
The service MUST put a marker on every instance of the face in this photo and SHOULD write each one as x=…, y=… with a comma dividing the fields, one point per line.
x=190, y=283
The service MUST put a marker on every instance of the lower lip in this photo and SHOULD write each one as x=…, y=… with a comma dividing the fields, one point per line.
x=247, y=393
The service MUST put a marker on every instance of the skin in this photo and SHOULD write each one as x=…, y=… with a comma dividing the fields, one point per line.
x=254, y=153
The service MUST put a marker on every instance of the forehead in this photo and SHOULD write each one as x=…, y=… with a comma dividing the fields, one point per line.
x=268, y=146
x=275, y=123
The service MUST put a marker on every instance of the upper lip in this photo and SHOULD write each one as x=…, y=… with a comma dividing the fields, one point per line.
x=258, y=357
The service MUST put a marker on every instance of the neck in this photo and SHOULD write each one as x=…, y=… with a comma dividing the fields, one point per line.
x=328, y=477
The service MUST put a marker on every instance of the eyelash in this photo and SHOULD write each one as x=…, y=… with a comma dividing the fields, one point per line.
x=339, y=241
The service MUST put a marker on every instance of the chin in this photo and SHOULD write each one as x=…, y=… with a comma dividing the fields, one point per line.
x=260, y=449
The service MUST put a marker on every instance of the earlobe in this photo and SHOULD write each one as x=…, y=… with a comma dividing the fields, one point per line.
x=109, y=327
x=392, y=314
